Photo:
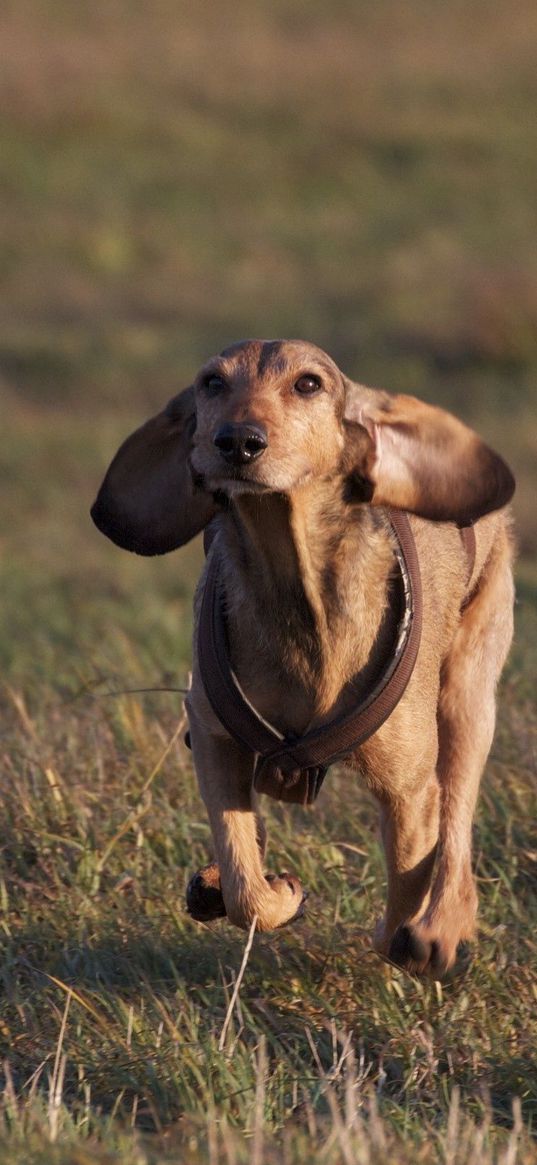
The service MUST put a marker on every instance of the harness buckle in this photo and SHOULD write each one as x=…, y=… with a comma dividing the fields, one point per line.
x=296, y=787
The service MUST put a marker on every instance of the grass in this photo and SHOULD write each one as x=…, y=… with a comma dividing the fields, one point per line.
x=175, y=177
x=114, y=1002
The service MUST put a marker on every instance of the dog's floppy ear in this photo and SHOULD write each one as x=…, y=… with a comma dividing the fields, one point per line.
x=148, y=502
x=402, y=452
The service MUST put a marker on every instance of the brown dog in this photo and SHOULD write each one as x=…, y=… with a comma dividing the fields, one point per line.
x=306, y=464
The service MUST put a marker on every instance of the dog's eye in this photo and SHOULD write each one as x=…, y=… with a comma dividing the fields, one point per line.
x=307, y=384
x=214, y=383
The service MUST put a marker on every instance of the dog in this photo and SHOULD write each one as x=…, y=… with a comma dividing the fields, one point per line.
x=297, y=472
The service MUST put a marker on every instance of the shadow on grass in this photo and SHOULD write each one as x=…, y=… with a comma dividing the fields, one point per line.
x=180, y=984
x=120, y=958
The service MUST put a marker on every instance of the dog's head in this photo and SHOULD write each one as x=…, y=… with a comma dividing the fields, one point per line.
x=267, y=416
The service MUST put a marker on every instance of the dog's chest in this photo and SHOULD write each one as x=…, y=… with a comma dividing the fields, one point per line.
x=294, y=678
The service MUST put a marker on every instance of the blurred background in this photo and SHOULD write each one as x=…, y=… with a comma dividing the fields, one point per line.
x=176, y=176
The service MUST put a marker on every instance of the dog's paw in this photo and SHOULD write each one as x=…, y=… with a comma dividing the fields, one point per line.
x=283, y=905
x=420, y=951
x=290, y=891
x=204, y=901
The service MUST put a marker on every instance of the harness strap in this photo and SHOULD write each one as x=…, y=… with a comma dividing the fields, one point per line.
x=293, y=768
x=338, y=738
x=221, y=685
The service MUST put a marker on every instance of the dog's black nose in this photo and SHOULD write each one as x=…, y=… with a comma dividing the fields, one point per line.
x=239, y=444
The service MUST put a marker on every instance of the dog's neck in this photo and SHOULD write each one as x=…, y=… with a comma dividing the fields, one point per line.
x=307, y=582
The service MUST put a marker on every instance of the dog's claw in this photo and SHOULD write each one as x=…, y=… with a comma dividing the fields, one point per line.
x=419, y=955
x=406, y=948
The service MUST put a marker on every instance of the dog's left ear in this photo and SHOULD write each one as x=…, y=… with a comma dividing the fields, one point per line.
x=148, y=502
x=404, y=453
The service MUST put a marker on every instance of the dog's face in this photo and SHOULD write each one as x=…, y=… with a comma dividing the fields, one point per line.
x=269, y=416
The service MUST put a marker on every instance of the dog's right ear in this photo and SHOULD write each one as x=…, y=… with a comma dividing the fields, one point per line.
x=148, y=502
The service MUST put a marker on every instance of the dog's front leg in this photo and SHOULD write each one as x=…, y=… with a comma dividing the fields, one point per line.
x=409, y=828
x=237, y=886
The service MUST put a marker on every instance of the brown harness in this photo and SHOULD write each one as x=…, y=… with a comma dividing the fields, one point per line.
x=292, y=768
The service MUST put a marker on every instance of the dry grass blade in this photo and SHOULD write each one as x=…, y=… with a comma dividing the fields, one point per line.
x=72, y=993
x=58, y=1075
x=137, y=810
x=236, y=989
x=516, y=1133
x=259, y=1107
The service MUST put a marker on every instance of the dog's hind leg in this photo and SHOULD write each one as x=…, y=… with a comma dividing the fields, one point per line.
x=466, y=719
x=236, y=886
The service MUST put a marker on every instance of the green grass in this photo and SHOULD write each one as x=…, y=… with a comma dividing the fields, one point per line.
x=102, y=825
x=174, y=177
x=114, y=1002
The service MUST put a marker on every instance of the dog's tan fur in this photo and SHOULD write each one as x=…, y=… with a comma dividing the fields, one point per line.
x=307, y=560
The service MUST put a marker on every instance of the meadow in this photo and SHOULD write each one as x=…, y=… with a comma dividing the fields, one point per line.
x=174, y=177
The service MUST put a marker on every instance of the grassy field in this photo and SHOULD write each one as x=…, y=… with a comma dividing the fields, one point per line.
x=362, y=175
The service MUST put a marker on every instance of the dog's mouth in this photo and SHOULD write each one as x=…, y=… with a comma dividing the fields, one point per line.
x=235, y=480
x=235, y=483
